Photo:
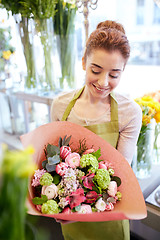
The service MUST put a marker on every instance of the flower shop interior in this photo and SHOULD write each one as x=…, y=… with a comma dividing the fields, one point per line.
x=35, y=67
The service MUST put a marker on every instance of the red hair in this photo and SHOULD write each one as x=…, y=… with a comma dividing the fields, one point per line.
x=109, y=36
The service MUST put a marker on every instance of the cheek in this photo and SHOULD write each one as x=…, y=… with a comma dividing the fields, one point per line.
x=114, y=83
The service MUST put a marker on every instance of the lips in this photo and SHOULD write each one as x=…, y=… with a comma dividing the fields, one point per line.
x=100, y=89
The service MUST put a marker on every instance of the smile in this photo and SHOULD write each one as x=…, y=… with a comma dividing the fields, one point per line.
x=100, y=89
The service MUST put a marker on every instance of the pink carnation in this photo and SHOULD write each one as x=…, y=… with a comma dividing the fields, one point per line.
x=64, y=152
x=73, y=160
x=38, y=174
x=61, y=168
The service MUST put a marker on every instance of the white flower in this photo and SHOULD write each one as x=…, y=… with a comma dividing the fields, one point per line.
x=50, y=191
x=112, y=188
x=85, y=208
x=100, y=205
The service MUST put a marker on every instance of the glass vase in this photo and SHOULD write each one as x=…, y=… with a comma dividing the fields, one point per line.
x=26, y=33
x=145, y=152
x=44, y=51
x=156, y=145
x=66, y=50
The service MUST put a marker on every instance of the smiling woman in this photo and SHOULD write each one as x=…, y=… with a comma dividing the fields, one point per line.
x=103, y=112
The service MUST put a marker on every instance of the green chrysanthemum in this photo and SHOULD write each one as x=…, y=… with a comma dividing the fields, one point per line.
x=103, y=178
x=46, y=179
x=50, y=207
x=88, y=160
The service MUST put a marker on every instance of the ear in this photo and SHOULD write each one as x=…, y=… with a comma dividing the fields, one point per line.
x=83, y=64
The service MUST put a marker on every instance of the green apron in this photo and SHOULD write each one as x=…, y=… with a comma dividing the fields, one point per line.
x=113, y=230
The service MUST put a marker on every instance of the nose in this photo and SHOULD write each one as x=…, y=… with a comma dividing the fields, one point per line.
x=103, y=80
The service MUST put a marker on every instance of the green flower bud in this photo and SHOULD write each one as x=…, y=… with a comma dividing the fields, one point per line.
x=46, y=179
x=50, y=207
x=103, y=178
x=119, y=196
x=88, y=160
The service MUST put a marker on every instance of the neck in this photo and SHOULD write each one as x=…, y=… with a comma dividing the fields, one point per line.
x=87, y=97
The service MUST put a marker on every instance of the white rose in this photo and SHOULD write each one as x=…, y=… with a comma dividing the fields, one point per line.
x=50, y=191
x=85, y=208
x=100, y=205
x=112, y=188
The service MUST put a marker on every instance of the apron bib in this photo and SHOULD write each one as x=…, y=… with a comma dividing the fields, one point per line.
x=114, y=230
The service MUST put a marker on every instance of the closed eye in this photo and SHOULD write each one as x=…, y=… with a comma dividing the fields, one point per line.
x=95, y=72
x=113, y=76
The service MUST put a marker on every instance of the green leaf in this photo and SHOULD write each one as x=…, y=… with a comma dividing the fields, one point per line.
x=65, y=141
x=50, y=168
x=53, y=160
x=52, y=150
x=44, y=164
x=60, y=142
x=39, y=201
x=56, y=179
x=97, y=154
x=117, y=180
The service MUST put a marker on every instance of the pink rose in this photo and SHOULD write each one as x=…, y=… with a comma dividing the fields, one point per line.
x=50, y=191
x=105, y=165
x=64, y=152
x=61, y=168
x=112, y=189
x=91, y=150
x=109, y=206
x=73, y=160
x=85, y=208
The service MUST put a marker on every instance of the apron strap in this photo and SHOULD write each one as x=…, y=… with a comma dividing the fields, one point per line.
x=114, y=106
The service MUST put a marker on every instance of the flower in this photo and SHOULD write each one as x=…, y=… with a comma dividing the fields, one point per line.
x=103, y=178
x=100, y=205
x=64, y=152
x=119, y=196
x=85, y=208
x=76, y=198
x=67, y=210
x=90, y=150
x=73, y=160
x=109, y=206
x=50, y=207
x=38, y=174
x=50, y=191
x=87, y=180
x=91, y=197
x=88, y=160
x=46, y=179
x=61, y=168
x=112, y=189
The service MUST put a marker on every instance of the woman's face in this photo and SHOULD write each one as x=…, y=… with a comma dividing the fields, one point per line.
x=103, y=72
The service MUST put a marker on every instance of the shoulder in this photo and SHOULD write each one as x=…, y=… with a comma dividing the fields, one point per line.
x=59, y=104
x=127, y=104
x=129, y=112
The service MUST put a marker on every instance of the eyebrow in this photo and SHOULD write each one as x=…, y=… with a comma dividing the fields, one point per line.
x=115, y=70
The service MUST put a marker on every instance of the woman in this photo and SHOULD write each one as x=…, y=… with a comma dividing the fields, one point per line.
x=110, y=115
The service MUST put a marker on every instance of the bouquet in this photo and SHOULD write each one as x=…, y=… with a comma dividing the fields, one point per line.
x=74, y=181
x=88, y=188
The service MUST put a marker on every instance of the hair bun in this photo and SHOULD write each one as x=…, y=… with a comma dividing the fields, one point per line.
x=111, y=24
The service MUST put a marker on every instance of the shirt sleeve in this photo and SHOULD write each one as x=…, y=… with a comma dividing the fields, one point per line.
x=129, y=133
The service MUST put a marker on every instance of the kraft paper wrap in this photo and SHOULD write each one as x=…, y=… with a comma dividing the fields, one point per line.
x=132, y=205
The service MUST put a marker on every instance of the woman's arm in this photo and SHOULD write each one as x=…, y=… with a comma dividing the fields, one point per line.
x=129, y=133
